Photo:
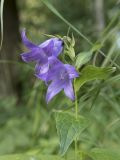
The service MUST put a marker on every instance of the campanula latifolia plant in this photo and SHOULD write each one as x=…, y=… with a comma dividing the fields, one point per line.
x=61, y=75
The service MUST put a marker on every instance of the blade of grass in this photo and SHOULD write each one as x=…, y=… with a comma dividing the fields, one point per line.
x=114, y=79
x=109, y=55
x=111, y=23
x=1, y=22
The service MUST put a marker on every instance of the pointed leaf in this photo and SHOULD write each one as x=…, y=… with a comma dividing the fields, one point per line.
x=83, y=58
x=68, y=128
x=92, y=73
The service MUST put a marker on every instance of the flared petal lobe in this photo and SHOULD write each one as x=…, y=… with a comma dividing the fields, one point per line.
x=54, y=88
x=27, y=42
x=68, y=89
x=71, y=71
x=35, y=55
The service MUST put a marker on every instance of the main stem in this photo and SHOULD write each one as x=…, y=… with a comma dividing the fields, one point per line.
x=76, y=104
x=76, y=115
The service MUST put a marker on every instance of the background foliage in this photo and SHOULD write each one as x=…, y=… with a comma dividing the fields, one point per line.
x=27, y=123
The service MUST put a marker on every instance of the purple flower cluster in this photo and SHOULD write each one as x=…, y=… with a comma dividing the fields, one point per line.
x=49, y=68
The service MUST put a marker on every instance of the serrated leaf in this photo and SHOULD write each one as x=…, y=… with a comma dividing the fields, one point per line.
x=104, y=154
x=68, y=128
x=92, y=73
x=30, y=157
x=83, y=58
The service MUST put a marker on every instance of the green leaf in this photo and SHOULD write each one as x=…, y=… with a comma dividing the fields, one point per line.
x=83, y=58
x=105, y=154
x=92, y=73
x=30, y=157
x=68, y=128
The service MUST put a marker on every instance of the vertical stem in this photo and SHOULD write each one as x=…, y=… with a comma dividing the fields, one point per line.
x=76, y=115
x=76, y=104
x=76, y=149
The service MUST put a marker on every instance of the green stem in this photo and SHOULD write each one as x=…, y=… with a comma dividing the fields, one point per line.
x=76, y=149
x=76, y=104
x=76, y=115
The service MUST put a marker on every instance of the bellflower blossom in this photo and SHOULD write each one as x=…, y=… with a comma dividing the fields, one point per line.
x=41, y=53
x=61, y=76
x=49, y=68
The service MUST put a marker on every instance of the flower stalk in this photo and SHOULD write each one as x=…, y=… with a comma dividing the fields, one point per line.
x=76, y=104
x=76, y=115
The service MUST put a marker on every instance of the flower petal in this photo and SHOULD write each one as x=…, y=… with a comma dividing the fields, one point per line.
x=54, y=88
x=55, y=73
x=41, y=69
x=42, y=76
x=53, y=61
x=26, y=42
x=48, y=49
x=68, y=89
x=55, y=46
x=71, y=71
x=35, y=55
x=58, y=46
x=54, y=68
x=45, y=43
x=51, y=68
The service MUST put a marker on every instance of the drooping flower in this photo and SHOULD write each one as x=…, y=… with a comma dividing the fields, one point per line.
x=49, y=68
x=41, y=53
x=61, y=76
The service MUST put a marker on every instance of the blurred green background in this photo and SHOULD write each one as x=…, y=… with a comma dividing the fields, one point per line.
x=26, y=122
